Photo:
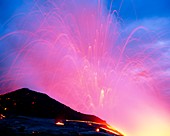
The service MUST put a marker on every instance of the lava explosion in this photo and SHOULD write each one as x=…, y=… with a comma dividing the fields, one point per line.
x=76, y=53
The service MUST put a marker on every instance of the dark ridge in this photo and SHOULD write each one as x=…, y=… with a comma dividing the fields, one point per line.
x=25, y=102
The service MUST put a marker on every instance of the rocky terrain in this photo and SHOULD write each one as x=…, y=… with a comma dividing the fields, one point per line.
x=25, y=113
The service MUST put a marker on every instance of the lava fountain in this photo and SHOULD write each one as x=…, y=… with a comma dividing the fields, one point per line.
x=75, y=52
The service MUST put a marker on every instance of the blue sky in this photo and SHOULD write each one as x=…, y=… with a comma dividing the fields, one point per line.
x=138, y=9
x=15, y=60
x=154, y=15
x=129, y=9
x=7, y=8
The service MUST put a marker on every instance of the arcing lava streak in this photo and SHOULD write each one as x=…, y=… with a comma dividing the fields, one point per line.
x=75, y=52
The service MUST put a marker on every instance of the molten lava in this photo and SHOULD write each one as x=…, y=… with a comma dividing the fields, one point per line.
x=76, y=52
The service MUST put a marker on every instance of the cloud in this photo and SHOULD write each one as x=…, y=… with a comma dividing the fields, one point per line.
x=158, y=46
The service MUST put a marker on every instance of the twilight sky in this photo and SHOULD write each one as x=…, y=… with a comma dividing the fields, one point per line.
x=139, y=9
x=153, y=15
x=129, y=9
x=133, y=58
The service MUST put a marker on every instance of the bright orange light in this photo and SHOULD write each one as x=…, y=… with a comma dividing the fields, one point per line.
x=59, y=124
x=111, y=130
x=2, y=116
x=152, y=122
x=97, y=130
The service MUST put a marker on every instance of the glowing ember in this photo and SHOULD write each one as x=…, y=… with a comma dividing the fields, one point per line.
x=2, y=116
x=97, y=130
x=75, y=52
x=59, y=124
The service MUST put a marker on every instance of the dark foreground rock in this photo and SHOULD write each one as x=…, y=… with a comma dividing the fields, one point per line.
x=28, y=126
x=26, y=102
x=29, y=113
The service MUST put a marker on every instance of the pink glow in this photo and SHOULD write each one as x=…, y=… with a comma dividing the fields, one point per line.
x=75, y=52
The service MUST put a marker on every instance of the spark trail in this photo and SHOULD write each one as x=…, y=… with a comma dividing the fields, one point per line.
x=76, y=53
